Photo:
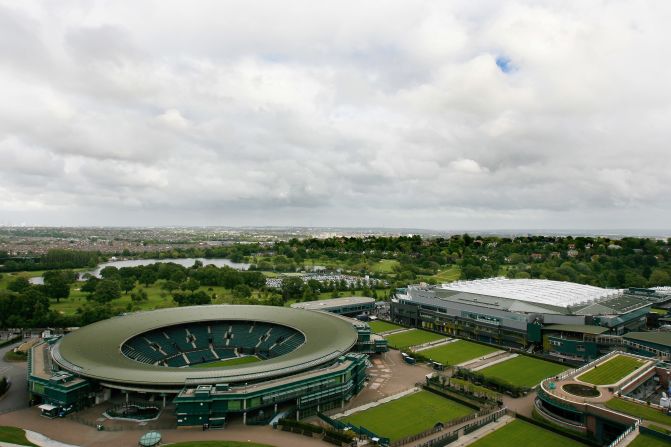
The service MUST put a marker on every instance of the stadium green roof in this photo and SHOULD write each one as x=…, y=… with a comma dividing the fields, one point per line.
x=659, y=338
x=580, y=328
x=94, y=350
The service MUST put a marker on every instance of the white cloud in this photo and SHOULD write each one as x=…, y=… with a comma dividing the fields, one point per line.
x=467, y=166
x=335, y=113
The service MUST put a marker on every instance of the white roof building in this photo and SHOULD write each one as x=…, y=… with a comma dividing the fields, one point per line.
x=538, y=291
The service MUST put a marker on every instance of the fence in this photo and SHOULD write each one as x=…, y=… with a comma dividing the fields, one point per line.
x=625, y=434
x=110, y=426
x=452, y=436
x=468, y=401
x=655, y=434
x=487, y=417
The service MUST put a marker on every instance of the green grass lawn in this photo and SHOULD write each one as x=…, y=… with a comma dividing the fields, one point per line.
x=157, y=298
x=229, y=362
x=449, y=274
x=648, y=441
x=639, y=411
x=411, y=338
x=14, y=435
x=611, y=371
x=659, y=311
x=457, y=352
x=408, y=415
x=11, y=356
x=519, y=433
x=384, y=266
x=383, y=326
x=523, y=371
x=218, y=444
x=659, y=429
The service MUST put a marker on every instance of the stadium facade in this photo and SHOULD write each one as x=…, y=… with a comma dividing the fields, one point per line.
x=299, y=361
x=570, y=321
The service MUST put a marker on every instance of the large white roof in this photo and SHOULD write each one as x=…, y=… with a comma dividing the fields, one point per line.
x=541, y=291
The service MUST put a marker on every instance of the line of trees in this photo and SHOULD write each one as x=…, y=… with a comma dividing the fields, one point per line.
x=53, y=259
x=600, y=261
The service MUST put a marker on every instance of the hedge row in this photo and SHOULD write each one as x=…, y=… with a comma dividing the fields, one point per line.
x=329, y=434
x=3, y=385
x=10, y=341
x=560, y=431
x=495, y=383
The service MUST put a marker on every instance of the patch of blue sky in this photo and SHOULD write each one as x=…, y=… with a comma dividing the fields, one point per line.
x=504, y=64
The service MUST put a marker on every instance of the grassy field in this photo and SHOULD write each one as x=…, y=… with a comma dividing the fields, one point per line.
x=157, y=298
x=448, y=274
x=639, y=411
x=520, y=433
x=218, y=444
x=14, y=435
x=648, y=441
x=382, y=326
x=408, y=415
x=523, y=371
x=229, y=362
x=411, y=338
x=11, y=356
x=457, y=352
x=611, y=371
x=659, y=429
x=384, y=266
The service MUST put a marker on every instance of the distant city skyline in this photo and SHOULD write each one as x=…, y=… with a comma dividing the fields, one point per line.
x=449, y=116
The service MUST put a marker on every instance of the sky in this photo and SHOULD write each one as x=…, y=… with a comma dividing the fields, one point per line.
x=418, y=114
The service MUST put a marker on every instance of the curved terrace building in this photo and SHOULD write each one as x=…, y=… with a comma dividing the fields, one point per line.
x=211, y=361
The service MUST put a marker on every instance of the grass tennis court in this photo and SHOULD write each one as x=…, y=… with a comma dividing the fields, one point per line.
x=383, y=326
x=411, y=338
x=520, y=433
x=229, y=362
x=457, y=352
x=648, y=441
x=638, y=410
x=523, y=371
x=611, y=371
x=408, y=415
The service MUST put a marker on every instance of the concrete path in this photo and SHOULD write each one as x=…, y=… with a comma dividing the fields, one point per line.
x=43, y=441
x=629, y=438
x=494, y=362
x=480, y=359
x=70, y=432
x=435, y=344
x=482, y=432
x=17, y=396
x=375, y=404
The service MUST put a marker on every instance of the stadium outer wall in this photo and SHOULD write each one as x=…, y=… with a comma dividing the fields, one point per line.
x=87, y=366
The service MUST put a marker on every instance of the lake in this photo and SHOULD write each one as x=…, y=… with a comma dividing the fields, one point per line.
x=186, y=262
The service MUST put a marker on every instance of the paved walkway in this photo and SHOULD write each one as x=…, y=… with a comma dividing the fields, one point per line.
x=493, y=361
x=629, y=438
x=17, y=396
x=457, y=427
x=70, y=432
x=482, y=432
x=374, y=404
x=433, y=344
x=483, y=362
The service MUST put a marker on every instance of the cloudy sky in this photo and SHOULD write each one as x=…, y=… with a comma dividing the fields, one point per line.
x=442, y=114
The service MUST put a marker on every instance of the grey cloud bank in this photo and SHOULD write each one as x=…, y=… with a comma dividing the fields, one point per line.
x=338, y=114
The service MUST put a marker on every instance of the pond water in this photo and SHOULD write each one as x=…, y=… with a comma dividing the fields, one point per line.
x=186, y=262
